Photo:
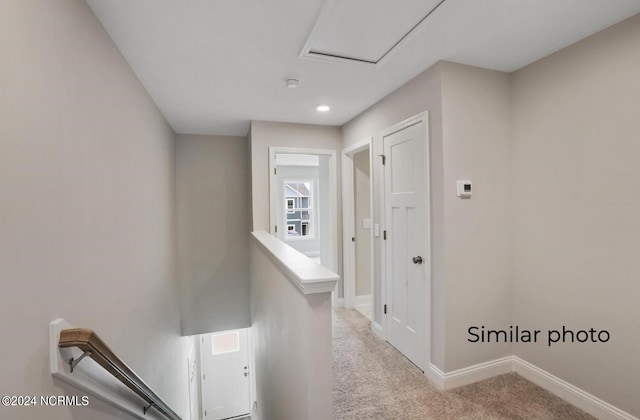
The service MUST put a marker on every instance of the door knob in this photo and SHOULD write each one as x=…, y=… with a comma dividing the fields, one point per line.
x=417, y=260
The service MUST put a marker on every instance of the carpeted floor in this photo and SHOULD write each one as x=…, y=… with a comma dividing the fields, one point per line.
x=374, y=381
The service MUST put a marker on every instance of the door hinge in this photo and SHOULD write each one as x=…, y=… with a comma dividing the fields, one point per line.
x=275, y=171
x=385, y=308
x=205, y=413
x=203, y=376
x=276, y=228
x=384, y=159
x=384, y=235
x=353, y=239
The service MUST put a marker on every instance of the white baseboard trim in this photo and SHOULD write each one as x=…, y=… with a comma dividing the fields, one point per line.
x=576, y=396
x=377, y=330
x=435, y=375
x=563, y=389
x=469, y=374
x=363, y=300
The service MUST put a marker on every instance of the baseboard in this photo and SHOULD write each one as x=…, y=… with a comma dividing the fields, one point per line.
x=435, y=375
x=469, y=375
x=363, y=300
x=377, y=330
x=563, y=389
x=576, y=396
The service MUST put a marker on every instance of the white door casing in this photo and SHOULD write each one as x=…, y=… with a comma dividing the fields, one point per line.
x=407, y=256
x=349, y=222
x=225, y=375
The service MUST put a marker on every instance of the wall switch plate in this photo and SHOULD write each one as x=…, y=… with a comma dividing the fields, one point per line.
x=464, y=188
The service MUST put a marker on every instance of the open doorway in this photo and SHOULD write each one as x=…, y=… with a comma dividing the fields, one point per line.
x=358, y=227
x=303, y=202
x=227, y=381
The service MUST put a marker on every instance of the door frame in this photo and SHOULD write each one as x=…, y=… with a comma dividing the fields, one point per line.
x=349, y=222
x=250, y=363
x=422, y=117
x=333, y=193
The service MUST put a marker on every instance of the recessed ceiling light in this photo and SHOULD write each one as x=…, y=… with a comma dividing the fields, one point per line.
x=323, y=108
x=292, y=83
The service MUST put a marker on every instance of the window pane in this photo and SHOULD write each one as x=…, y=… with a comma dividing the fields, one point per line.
x=298, y=209
x=227, y=342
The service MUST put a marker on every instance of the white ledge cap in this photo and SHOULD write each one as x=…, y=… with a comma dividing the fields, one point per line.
x=309, y=276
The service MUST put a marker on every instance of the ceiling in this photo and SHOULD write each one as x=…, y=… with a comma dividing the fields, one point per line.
x=211, y=66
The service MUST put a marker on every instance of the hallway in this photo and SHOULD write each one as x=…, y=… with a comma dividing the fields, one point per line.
x=374, y=381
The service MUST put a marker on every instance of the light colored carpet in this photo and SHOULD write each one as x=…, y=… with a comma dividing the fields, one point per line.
x=374, y=381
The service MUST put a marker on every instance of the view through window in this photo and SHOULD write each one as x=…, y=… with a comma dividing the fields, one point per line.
x=298, y=208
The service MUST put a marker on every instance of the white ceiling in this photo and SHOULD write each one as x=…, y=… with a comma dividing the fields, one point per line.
x=211, y=66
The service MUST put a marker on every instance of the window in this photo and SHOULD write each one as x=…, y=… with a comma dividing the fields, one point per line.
x=290, y=205
x=227, y=342
x=298, y=214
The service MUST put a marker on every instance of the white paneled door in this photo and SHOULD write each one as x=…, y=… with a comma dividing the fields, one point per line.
x=405, y=186
x=225, y=374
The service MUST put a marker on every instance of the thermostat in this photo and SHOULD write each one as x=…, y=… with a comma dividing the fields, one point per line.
x=463, y=189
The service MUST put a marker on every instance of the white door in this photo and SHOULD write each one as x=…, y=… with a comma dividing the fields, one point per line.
x=405, y=186
x=225, y=374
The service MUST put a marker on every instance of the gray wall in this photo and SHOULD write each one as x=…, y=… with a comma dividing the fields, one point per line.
x=212, y=177
x=362, y=195
x=87, y=199
x=292, y=341
x=576, y=227
x=476, y=118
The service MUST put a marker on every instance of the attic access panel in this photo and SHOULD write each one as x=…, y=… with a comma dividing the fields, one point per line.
x=365, y=31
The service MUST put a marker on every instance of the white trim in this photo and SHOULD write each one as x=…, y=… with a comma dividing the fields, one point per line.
x=435, y=375
x=363, y=300
x=377, y=329
x=348, y=231
x=306, y=275
x=470, y=374
x=339, y=303
x=559, y=387
x=348, y=220
x=563, y=389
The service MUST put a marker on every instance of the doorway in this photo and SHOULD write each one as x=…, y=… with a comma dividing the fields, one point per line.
x=226, y=374
x=303, y=202
x=358, y=227
x=406, y=231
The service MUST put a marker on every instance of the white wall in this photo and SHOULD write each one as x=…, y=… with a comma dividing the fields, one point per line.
x=212, y=184
x=469, y=123
x=292, y=339
x=576, y=225
x=87, y=198
x=266, y=134
x=362, y=201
